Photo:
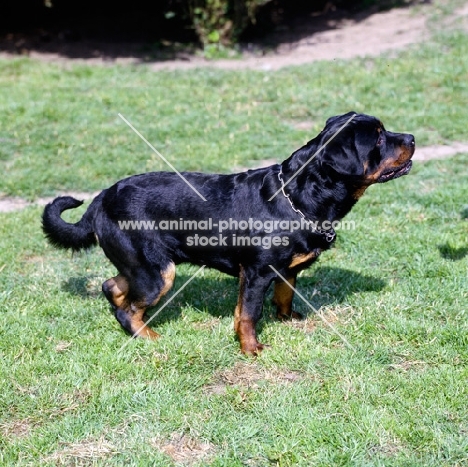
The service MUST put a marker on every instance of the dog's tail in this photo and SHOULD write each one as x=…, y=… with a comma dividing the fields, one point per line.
x=61, y=234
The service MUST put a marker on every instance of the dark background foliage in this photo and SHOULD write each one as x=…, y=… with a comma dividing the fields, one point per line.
x=202, y=21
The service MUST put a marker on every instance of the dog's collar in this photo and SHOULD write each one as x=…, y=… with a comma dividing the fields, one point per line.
x=328, y=234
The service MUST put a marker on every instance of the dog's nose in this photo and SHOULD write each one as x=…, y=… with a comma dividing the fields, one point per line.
x=409, y=141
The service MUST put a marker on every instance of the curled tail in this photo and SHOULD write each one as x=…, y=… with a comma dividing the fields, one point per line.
x=61, y=234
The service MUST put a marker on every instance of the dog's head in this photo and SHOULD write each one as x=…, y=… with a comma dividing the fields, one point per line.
x=359, y=148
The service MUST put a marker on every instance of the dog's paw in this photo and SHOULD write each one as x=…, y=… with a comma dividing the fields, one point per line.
x=146, y=333
x=253, y=349
x=293, y=315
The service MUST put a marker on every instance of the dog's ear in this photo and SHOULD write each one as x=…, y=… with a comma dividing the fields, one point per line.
x=340, y=150
x=342, y=159
x=335, y=151
x=339, y=118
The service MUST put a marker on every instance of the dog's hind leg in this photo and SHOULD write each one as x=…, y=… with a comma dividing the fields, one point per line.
x=131, y=298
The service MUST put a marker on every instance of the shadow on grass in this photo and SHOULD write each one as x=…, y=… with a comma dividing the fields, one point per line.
x=329, y=285
x=449, y=252
x=79, y=286
x=218, y=295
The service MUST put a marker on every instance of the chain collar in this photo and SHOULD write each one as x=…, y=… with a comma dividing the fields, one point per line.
x=329, y=234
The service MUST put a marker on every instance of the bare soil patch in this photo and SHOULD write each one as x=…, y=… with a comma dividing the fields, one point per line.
x=329, y=36
x=14, y=203
x=249, y=376
x=440, y=151
x=329, y=39
x=17, y=428
x=184, y=449
x=82, y=453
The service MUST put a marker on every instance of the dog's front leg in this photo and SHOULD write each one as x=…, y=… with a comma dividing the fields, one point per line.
x=249, y=309
x=283, y=297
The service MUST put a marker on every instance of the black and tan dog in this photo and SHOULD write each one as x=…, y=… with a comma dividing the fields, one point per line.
x=311, y=191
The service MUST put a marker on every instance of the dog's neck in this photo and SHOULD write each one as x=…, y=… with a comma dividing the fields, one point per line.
x=317, y=192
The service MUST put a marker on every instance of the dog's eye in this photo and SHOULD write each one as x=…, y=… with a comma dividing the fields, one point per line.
x=379, y=141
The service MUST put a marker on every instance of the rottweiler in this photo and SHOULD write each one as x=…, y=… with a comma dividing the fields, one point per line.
x=262, y=226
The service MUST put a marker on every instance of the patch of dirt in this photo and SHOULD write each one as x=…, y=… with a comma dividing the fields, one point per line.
x=387, y=449
x=440, y=152
x=343, y=38
x=406, y=365
x=184, y=449
x=11, y=204
x=62, y=346
x=210, y=325
x=458, y=20
x=327, y=317
x=82, y=453
x=16, y=428
x=249, y=376
x=331, y=36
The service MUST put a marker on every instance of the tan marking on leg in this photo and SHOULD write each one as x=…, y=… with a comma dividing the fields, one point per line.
x=168, y=276
x=118, y=287
x=248, y=337
x=238, y=310
x=303, y=258
x=282, y=298
x=139, y=328
x=244, y=326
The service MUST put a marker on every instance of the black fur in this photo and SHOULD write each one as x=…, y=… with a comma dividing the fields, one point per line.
x=62, y=234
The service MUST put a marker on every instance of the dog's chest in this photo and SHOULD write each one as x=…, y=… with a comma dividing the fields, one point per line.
x=302, y=260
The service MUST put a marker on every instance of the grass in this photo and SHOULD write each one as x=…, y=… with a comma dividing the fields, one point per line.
x=396, y=287
x=60, y=129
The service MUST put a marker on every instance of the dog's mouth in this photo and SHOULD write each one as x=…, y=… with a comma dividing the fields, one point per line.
x=395, y=173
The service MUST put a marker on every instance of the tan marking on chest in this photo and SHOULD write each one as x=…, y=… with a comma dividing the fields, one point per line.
x=304, y=257
x=359, y=192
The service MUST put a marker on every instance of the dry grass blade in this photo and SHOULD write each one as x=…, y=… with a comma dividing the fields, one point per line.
x=86, y=449
x=184, y=449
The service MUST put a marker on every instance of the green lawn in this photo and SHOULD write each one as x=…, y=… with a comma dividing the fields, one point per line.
x=59, y=126
x=396, y=287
